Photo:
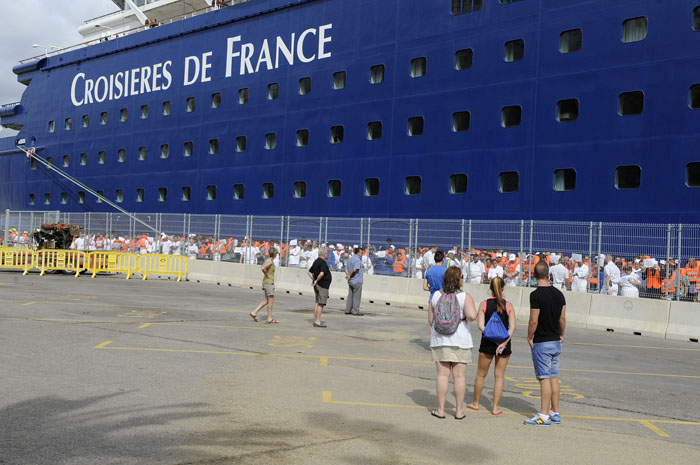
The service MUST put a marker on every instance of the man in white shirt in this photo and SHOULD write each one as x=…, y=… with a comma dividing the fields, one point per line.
x=249, y=254
x=428, y=258
x=580, y=276
x=294, y=254
x=495, y=270
x=475, y=270
x=176, y=244
x=166, y=246
x=559, y=274
x=192, y=249
x=511, y=271
x=612, y=276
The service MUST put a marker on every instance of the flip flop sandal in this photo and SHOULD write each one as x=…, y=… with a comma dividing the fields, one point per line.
x=434, y=413
x=495, y=414
x=460, y=418
x=255, y=318
x=271, y=322
x=470, y=407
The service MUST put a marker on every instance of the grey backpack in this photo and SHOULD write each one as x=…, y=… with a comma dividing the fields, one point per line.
x=448, y=314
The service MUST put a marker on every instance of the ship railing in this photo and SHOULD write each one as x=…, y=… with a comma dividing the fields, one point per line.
x=128, y=32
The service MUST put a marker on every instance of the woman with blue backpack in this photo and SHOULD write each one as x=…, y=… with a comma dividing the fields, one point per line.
x=496, y=321
x=450, y=340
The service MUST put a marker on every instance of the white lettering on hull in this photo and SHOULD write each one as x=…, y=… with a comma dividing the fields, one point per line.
x=311, y=45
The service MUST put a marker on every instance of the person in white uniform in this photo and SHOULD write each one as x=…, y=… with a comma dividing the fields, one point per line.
x=495, y=270
x=612, y=276
x=580, y=276
x=511, y=271
x=629, y=284
x=294, y=254
x=166, y=246
x=475, y=270
x=559, y=274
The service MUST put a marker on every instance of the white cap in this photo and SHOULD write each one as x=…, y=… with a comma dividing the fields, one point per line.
x=499, y=255
x=293, y=242
x=355, y=246
x=450, y=252
x=636, y=260
x=340, y=246
x=554, y=259
x=663, y=262
x=331, y=246
x=511, y=257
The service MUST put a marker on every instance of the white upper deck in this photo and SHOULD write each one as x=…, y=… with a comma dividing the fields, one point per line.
x=135, y=14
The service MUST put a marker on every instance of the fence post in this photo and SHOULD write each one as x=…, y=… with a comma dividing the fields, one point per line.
x=31, y=225
x=362, y=230
x=410, y=243
x=469, y=244
x=369, y=227
x=522, y=232
x=590, y=256
x=678, y=294
x=281, y=230
x=286, y=255
x=7, y=227
x=325, y=235
x=668, y=258
x=532, y=226
x=461, y=239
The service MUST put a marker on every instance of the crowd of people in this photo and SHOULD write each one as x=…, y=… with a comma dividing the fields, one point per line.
x=638, y=276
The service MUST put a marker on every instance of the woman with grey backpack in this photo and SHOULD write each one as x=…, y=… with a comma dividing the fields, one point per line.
x=451, y=344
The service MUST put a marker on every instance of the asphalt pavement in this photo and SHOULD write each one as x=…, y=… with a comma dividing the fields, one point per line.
x=110, y=371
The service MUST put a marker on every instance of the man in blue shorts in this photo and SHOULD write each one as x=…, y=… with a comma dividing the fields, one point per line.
x=545, y=334
x=433, y=277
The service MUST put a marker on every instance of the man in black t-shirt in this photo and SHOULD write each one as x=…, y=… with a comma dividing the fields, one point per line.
x=321, y=279
x=545, y=334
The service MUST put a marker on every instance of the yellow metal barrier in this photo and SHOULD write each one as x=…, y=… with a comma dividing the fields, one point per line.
x=112, y=262
x=163, y=264
x=61, y=260
x=13, y=258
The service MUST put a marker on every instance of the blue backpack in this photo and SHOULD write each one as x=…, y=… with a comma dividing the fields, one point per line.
x=495, y=330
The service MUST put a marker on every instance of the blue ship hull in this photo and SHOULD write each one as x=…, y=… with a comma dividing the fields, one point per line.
x=352, y=36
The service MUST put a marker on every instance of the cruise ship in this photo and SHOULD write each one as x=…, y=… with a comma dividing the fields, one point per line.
x=484, y=109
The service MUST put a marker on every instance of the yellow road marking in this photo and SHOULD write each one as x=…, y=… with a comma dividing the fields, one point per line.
x=371, y=359
x=686, y=349
x=327, y=398
x=324, y=361
x=654, y=428
x=145, y=325
x=103, y=345
x=27, y=303
x=293, y=341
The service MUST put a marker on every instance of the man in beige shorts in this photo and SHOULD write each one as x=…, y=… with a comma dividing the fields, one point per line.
x=321, y=279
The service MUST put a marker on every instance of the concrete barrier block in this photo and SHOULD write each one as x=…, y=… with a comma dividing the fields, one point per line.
x=294, y=281
x=578, y=306
x=389, y=290
x=644, y=317
x=250, y=275
x=479, y=292
x=416, y=297
x=684, y=322
x=523, y=311
x=199, y=271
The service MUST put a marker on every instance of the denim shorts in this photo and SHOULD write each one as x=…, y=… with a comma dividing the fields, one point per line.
x=545, y=357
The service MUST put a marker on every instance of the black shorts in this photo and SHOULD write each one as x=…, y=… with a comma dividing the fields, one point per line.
x=489, y=347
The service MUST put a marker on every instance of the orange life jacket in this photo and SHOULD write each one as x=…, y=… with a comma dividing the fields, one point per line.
x=398, y=265
x=654, y=279
x=693, y=273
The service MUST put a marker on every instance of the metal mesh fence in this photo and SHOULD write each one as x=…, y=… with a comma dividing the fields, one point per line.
x=668, y=246
x=495, y=235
